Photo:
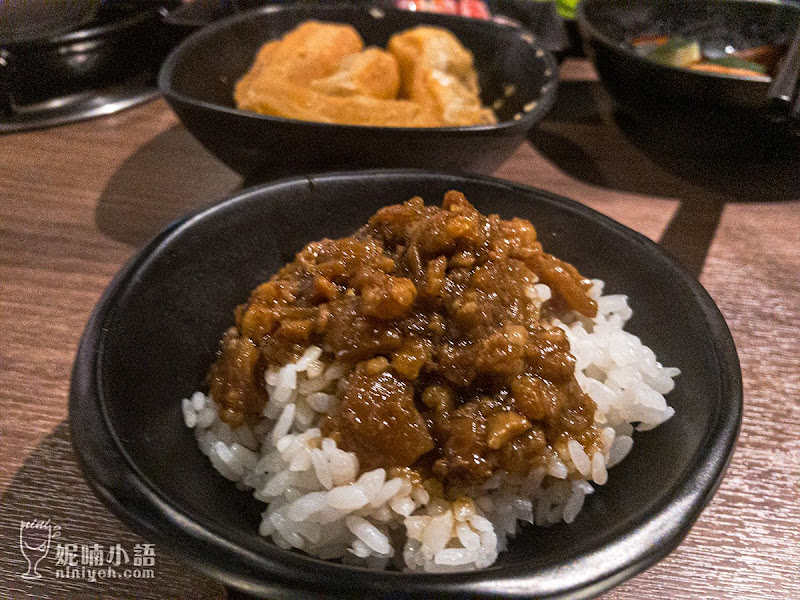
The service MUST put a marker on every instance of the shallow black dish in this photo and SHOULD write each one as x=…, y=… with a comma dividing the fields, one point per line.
x=155, y=331
x=197, y=80
x=645, y=89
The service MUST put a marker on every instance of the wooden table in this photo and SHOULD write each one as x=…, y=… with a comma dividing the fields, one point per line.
x=77, y=201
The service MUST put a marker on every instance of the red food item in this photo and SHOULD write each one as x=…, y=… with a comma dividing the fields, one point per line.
x=475, y=9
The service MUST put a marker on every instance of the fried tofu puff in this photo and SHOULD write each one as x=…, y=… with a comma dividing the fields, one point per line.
x=317, y=72
x=311, y=51
x=320, y=72
x=373, y=73
x=281, y=98
x=438, y=73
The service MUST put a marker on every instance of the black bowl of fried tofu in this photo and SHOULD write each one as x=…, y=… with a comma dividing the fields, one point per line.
x=296, y=89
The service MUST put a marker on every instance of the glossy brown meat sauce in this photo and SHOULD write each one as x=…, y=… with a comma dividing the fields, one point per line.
x=454, y=368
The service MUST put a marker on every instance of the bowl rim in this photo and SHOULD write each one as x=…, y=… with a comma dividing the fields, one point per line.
x=117, y=481
x=594, y=32
x=528, y=118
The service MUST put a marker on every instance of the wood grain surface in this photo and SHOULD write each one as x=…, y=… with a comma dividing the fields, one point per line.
x=77, y=201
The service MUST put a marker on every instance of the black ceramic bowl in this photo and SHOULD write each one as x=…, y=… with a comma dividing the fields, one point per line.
x=644, y=88
x=197, y=80
x=120, y=40
x=155, y=331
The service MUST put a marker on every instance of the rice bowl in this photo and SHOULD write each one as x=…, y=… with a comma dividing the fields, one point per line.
x=155, y=331
x=321, y=501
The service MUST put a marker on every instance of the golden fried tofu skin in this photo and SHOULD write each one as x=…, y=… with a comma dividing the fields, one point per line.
x=437, y=72
x=281, y=98
x=372, y=73
x=321, y=72
x=313, y=50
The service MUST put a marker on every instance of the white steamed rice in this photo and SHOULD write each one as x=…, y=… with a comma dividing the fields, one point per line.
x=318, y=503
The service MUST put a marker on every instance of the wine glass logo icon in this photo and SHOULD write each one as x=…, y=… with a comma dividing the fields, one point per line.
x=34, y=543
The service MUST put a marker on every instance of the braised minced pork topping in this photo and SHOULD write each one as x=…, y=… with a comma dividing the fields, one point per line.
x=454, y=368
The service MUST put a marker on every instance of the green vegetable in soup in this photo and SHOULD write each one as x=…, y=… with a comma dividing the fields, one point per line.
x=566, y=8
x=676, y=52
x=738, y=63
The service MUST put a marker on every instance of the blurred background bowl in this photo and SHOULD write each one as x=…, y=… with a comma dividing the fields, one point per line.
x=682, y=99
x=197, y=80
x=24, y=20
x=65, y=61
x=156, y=330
